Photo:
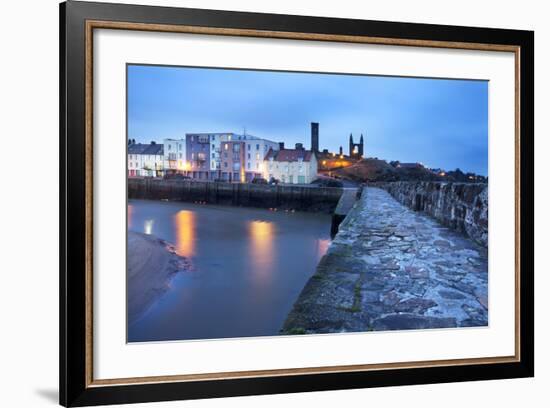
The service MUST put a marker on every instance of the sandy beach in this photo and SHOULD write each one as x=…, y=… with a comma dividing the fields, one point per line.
x=151, y=264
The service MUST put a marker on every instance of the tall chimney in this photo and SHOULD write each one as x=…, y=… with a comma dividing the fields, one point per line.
x=315, y=136
x=281, y=145
x=299, y=146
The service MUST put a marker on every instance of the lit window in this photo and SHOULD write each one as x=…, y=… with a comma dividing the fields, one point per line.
x=226, y=146
x=257, y=156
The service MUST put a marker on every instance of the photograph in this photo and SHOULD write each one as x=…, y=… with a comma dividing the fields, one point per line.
x=279, y=203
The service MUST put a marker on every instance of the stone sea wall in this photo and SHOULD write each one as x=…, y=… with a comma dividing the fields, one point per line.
x=460, y=206
x=299, y=198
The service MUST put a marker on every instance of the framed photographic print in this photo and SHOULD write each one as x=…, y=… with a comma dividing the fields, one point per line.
x=256, y=203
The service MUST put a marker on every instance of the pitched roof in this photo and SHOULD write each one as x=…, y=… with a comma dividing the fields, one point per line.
x=140, y=148
x=289, y=155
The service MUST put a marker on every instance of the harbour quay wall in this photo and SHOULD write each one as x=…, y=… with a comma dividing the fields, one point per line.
x=460, y=206
x=299, y=198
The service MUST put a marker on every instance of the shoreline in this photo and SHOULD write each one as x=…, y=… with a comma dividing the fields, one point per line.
x=152, y=262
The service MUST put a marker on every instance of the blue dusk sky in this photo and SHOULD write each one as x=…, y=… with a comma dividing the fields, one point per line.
x=441, y=123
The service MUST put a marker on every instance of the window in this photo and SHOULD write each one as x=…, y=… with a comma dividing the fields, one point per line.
x=225, y=155
x=236, y=166
x=213, y=146
x=236, y=147
x=257, y=166
x=213, y=138
x=257, y=147
x=224, y=164
x=213, y=155
x=248, y=154
x=290, y=179
x=226, y=146
x=257, y=156
x=169, y=147
x=192, y=156
x=179, y=146
x=248, y=147
x=181, y=156
x=248, y=166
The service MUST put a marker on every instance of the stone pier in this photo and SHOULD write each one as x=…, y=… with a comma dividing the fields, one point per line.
x=392, y=268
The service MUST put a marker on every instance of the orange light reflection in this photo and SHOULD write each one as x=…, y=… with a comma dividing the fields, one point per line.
x=184, y=223
x=130, y=210
x=261, y=248
x=322, y=247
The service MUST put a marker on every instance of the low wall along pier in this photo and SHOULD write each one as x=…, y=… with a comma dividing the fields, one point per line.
x=460, y=206
x=299, y=198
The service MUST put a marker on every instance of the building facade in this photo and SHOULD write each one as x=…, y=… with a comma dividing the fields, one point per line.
x=175, y=160
x=232, y=161
x=255, y=151
x=205, y=154
x=291, y=166
x=145, y=160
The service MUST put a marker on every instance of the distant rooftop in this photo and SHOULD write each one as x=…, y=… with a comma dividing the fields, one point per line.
x=289, y=155
x=149, y=148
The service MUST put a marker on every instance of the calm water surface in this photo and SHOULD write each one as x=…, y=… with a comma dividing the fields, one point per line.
x=249, y=266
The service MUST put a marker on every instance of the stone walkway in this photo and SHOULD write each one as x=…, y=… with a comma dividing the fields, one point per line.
x=391, y=268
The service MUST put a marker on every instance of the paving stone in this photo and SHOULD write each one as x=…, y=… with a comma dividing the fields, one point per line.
x=410, y=321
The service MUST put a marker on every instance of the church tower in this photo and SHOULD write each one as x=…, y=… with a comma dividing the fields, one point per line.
x=361, y=146
x=350, y=145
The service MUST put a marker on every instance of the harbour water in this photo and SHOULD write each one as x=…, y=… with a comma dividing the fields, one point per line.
x=248, y=267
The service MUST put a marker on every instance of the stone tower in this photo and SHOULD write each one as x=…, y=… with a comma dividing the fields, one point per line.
x=314, y=136
x=361, y=146
x=350, y=145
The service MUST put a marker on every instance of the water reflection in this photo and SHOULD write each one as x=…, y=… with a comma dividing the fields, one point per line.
x=184, y=222
x=261, y=254
x=130, y=209
x=322, y=247
x=148, y=227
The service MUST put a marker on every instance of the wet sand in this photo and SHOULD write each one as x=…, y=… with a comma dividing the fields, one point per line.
x=152, y=262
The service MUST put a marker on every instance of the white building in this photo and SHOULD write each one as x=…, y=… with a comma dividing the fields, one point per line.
x=255, y=151
x=291, y=166
x=174, y=155
x=145, y=160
